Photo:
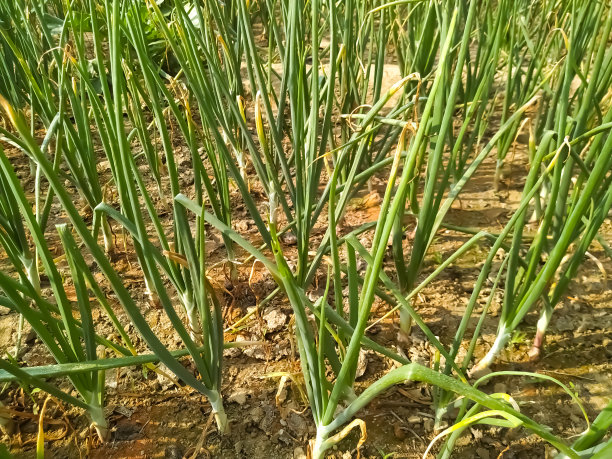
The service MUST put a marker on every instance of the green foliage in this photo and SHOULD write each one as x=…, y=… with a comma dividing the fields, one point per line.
x=287, y=103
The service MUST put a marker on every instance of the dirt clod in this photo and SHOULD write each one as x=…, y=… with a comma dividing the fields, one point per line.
x=275, y=320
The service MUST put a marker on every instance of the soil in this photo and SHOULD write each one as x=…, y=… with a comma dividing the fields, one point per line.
x=152, y=417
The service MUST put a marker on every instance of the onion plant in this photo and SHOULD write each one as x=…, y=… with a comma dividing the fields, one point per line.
x=69, y=339
x=25, y=72
x=529, y=47
x=298, y=115
x=332, y=401
x=442, y=168
x=13, y=236
x=530, y=283
x=534, y=181
x=578, y=202
x=152, y=259
x=326, y=396
x=309, y=132
x=51, y=91
x=589, y=443
x=306, y=89
x=182, y=259
x=440, y=117
x=474, y=414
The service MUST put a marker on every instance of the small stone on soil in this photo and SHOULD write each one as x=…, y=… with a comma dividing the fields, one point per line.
x=288, y=238
x=428, y=424
x=257, y=414
x=256, y=351
x=123, y=411
x=275, y=320
x=162, y=380
x=362, y=363
x=231, y=352
x=239, y=397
